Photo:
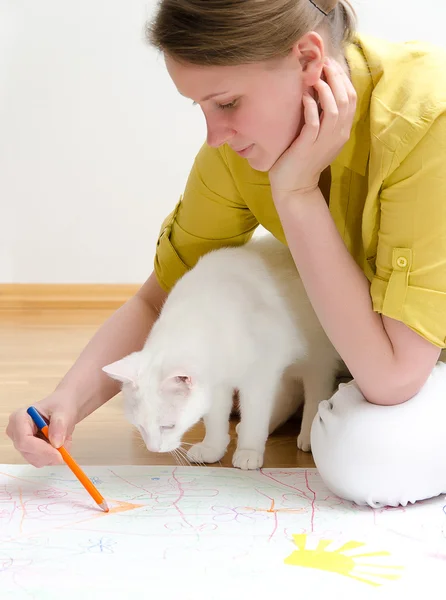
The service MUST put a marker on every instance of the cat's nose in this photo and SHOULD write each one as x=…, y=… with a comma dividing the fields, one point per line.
x=152, y=445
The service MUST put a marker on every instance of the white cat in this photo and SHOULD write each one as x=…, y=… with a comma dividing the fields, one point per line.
x=239, y=320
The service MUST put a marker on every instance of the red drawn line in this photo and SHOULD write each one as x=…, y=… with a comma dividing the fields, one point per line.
x=292, y=487
x=312, y=502
x=122, y=507
x=12, y=513
x=121, y=532
x=271, y=509
x=134, y=533
x=437, y=555
x=132, y=484
x=181, y=494
x=274, y=511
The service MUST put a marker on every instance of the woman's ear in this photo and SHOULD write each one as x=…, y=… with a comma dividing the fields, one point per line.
x=310, y=50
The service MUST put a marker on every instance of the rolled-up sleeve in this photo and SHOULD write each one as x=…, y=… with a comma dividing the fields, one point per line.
x=210, y=214
x=410, y=279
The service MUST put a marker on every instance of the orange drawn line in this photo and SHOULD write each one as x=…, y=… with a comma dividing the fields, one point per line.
x=22, y=504
x=14, y=477
x=122, y=507
x=59, y=487
x=272, y=506
x=275, y=510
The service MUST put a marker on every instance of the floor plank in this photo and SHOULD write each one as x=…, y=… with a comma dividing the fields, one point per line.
x=38, y=347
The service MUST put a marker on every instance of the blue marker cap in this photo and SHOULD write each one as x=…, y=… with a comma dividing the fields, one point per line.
x=36, y=417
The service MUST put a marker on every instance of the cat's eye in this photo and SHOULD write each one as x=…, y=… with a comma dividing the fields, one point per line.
x=163, y=427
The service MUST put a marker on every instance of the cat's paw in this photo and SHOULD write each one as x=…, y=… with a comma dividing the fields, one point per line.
x=304, y=441
x=247, y=459
x=202, y=453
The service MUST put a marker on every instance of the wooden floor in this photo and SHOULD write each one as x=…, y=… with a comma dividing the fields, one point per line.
x=38, y=347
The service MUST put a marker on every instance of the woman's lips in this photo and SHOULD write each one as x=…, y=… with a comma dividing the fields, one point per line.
x=244, y=151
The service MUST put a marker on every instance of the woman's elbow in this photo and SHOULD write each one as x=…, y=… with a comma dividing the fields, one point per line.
x=392, y=391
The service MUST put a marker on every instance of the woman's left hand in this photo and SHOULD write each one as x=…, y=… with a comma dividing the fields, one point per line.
x=298, y=169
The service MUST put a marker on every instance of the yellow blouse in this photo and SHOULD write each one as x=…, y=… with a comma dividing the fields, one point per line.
x=387, y=196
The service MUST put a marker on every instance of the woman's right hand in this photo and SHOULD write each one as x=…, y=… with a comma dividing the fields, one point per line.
x=62, y=416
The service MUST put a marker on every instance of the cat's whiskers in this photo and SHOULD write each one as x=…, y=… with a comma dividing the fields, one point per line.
x=139, y=441
x=176, y=457
x=184, y=457
x=184, y=462
x=183, y=452
x=195, y=462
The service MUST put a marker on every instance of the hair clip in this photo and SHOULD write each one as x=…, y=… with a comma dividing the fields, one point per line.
x=319, y=8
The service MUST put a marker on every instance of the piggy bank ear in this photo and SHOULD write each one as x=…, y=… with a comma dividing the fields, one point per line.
x=176, y=385
x=124, y=370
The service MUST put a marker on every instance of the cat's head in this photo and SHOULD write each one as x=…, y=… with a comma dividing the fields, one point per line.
x=161, y=405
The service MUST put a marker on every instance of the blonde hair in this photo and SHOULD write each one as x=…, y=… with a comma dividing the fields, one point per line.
x=231, y=32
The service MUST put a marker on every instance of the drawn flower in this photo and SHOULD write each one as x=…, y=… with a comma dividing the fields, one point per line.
x=102, y=545
x=240, y=514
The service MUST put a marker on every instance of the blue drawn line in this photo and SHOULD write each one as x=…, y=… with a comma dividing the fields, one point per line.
x=104, y=545
x=6, y=563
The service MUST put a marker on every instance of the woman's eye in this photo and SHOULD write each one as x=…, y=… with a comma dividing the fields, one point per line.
x=228, y=105
x=232, y=104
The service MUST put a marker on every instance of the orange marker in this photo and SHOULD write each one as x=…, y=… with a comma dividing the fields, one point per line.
x=69, y=460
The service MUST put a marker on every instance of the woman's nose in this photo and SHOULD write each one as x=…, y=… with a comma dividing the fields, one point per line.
x=218, y=132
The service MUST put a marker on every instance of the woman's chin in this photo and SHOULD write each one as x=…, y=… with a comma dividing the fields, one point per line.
x=262, y=164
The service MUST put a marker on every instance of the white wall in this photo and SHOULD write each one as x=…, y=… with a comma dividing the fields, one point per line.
x=95, y=142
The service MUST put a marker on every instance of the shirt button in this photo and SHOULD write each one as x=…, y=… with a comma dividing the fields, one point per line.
x=401, y=262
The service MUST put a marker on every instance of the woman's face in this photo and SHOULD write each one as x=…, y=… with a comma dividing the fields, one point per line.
x=255, y=108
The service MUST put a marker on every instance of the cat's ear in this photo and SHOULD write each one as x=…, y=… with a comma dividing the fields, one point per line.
x=124, y=370
x=180, y=385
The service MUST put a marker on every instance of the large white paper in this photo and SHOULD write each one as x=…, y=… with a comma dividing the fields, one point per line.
x=208, y=533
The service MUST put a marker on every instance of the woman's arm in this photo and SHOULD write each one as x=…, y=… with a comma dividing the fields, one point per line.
x=85, y=384
x=86, y=387
x=388, y=360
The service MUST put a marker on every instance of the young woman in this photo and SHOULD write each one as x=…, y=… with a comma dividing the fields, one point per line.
x=335, y=143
